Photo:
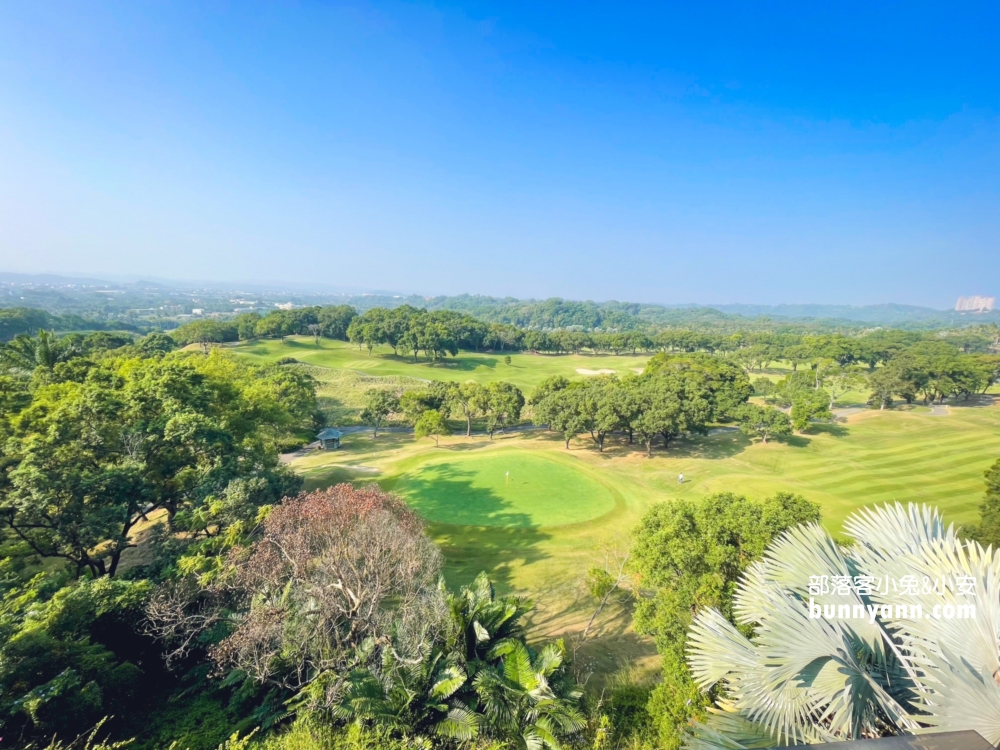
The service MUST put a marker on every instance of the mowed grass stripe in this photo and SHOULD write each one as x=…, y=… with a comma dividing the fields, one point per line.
x=919, y=452
x=946, y=468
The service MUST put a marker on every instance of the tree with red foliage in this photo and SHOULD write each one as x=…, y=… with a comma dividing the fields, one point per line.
x=329, y=571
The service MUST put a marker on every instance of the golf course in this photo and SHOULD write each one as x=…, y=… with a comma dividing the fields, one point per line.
x=525, y=370
x=536, y=516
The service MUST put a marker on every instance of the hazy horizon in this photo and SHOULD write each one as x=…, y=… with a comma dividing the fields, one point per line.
x=759, y=155
x=319, y=289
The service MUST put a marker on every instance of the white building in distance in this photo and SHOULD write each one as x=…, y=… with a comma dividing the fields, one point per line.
x=284, y=305
x=974, y=304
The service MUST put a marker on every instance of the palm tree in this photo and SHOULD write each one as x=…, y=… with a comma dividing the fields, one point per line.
x=484, y=620
x=410, y=696
x=481, y=679
x=23, y=354
x=522, y=698
x=804, y=678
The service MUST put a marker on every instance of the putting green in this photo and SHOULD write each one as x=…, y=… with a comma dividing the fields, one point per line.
x=507, y=488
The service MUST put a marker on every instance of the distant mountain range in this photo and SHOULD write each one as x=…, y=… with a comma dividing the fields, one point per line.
x=884, y=314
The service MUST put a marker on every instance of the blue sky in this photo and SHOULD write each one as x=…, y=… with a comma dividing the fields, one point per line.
x=663, y=152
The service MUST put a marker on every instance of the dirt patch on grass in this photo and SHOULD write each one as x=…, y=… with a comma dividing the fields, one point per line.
x=586, y=371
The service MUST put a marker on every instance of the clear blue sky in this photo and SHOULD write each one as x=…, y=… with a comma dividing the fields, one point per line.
x=661, y=152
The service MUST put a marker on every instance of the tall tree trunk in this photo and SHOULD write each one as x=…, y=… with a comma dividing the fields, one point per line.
x=116, y=556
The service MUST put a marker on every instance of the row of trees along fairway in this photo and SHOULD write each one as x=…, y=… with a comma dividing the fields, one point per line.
x=409, y=330
x=499, y=403
x=675, y=395
x=330, y=322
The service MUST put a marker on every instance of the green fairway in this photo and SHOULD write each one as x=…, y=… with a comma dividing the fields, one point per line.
x=525, y=370
x=511, y=488
x=540, y=538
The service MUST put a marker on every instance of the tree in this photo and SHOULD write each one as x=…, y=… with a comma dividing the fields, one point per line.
x=563, y=411
x=547, y=387
x=93, y=454
x=597, y=403
x=839, y=381
x=815, y=656
x=987, y=531
x=502, y=405
x=205, y=332
x=246, y=325
x=883, y=383
x=379, y=404
x=431, y=424
x=621, y=404
x=24, y=354
x=764, y=422
x=725, y=382
x=990, y=368
x=673, y=404
x=329, y=571
x=808, y=405
x=61, y=672
x=796, y=355
x=434, y=338
x=480, y=680
x=334, y=321
x=356, y=333
x=689, y=555
x=416, y=401
x=469, y=399
x=154, y=344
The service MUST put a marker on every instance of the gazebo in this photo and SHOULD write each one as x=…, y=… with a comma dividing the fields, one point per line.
x=329, y=438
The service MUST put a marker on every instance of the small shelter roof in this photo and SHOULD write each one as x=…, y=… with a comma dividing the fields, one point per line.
x=329, y=433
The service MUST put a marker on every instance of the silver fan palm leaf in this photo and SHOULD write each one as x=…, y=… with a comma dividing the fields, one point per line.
x=803, y=677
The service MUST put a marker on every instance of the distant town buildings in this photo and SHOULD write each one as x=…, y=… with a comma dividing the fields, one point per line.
x=974, y=304
x=284, y=305
x=197, y=311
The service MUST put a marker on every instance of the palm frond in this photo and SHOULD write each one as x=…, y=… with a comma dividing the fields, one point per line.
x=460, y=724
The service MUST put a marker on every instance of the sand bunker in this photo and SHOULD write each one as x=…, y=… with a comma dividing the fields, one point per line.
x=585, y=371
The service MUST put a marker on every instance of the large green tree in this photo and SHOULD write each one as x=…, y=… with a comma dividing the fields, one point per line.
x=689, y=555
x=100, y=447
x=503, y=403
x=671, y=404
x=764, y=422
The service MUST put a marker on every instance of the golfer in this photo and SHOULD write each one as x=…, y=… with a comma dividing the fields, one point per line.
x=680, y=479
